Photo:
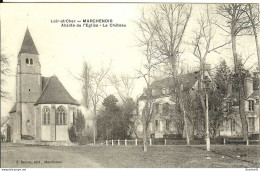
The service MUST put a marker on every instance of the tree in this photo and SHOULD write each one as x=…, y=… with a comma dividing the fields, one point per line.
x=203, y=45
x=93, y=89
x=146, y=43
x=4, y=74
x=80, y=123
x=165, y=26
x=236, y=24
x=112, y=123
x=172, y=113
x=217, y=108
x=76, y=130
x=252, y=12
x=170, y=22
x=124, y=85
x=128, y=109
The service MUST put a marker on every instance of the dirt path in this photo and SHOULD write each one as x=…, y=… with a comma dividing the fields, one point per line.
x=33, y=156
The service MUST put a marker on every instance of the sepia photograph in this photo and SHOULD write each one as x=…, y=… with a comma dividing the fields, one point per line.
x=130, y=85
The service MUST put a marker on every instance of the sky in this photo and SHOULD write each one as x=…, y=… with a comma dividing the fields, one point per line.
x=63, y=49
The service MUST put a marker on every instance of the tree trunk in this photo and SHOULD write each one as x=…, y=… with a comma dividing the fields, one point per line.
x=240, y=86
x=95, y=126
x=145, y=137
x=234, y=50
x=255, y=34
x=242, y=112
x=186, y=127
x=256, y=42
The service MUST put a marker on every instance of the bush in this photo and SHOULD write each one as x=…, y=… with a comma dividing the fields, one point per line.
x=254, y=137
x=83, y=140
x=173, y=136
x=27, y=137
x=72, y=134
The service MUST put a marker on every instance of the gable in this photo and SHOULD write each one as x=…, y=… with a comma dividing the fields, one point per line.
x=55, y=93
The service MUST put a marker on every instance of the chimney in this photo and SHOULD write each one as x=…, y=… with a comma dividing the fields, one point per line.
x=248, y=86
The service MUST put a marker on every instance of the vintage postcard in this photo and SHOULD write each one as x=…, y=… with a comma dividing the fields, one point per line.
x=130, y=85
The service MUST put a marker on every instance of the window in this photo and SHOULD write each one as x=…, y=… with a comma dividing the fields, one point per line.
x=251, y=124
x=31, y=61
x=229, y=106
x=156, y=125
x=233, y=125
x=167, y=124
x=61, y=115
x=46, y=115
x=251, y=105
x=27, y=61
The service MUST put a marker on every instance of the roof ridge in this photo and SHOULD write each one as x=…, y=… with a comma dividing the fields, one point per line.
x=55, y=93
x=46, y=84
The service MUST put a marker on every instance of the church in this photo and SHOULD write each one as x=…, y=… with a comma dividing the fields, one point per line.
x=44, y=110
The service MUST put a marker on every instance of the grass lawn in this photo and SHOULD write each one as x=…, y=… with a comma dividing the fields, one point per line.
x=132, y=156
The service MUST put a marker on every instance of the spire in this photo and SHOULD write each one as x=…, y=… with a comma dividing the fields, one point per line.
x=28, y=44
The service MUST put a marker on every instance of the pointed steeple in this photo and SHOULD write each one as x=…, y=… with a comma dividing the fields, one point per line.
x=28, y=45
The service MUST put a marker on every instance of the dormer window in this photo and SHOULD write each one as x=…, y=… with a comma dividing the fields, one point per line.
x=31, y=61
x=27, y=61
x=251, y=105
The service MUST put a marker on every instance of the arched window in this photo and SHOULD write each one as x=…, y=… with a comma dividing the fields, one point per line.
x=61, y=115
x=27, y=61
x=31, y=61
x=46, y=115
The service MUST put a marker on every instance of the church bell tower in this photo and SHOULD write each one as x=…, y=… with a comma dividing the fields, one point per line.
x=28, y=87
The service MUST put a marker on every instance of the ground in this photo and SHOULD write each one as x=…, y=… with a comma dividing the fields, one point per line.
x=23, y=156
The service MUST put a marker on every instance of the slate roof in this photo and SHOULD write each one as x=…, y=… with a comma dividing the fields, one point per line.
x=55, y=93
x=188, y=80
x=28, y=45
x=4, y=119
x=254, y=94
x=44, y=82
x=13, y=109
x=255, y=83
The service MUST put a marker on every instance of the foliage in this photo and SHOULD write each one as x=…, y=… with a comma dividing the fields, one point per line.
x=93, y=89
x=114, y=122
x=4, y=74
x=128, y=110
x=217, y=109
x=80, y=122
x=72, y=134
x=76, y=130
